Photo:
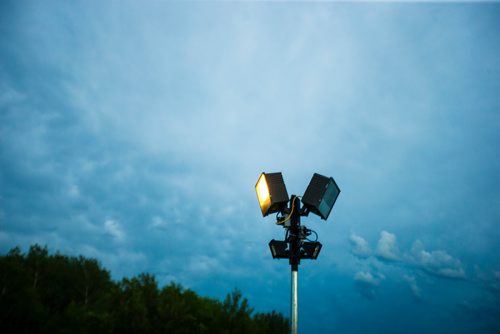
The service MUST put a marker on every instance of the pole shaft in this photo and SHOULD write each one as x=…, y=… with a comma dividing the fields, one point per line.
x=295, y=302
x=294, y=262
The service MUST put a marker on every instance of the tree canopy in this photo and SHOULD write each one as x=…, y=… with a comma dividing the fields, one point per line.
x=55, y=293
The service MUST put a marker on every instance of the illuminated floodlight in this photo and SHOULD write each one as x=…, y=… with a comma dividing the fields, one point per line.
x=310, y=250
x=279, y=249
x=320, y=195
x=271, y=192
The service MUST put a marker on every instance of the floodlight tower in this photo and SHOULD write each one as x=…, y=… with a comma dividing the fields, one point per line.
x=319, y=198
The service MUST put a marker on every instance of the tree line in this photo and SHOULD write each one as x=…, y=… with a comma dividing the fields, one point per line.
x=55, y=293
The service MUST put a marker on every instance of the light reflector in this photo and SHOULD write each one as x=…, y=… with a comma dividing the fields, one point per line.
x=279, y=249
x=320, y=195
x=271, y=193
x=310, y=250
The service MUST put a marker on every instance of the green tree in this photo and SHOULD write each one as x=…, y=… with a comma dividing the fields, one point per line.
x=136, y=305
x=237, y=313
x=36, y=263
x=20, y=307
x=178, y=309
x=271, y=323
x=43, y=293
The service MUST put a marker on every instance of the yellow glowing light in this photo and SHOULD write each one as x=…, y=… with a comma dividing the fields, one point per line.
x=263, y=192
x=271, y=193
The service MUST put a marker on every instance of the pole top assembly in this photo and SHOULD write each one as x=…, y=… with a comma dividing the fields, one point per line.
x=319, y=198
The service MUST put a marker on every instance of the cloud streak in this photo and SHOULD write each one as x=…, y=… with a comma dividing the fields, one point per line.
x=387, y=248
x=359, y=246
x=114, y=229
x=438, y=262
x=367, y=283
x=138, y=140
x=412, y=283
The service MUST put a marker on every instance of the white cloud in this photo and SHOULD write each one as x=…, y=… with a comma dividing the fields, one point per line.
x=367, y=283
x=203, y=265
x=387, y=248
x=366, y=277
x=412, y=282
x=114, y=229
x=121, y=262
x=437, y=262
x=360, y=246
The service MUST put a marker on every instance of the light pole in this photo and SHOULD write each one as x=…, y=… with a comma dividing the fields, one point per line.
x=294, y=263
x=319, y=198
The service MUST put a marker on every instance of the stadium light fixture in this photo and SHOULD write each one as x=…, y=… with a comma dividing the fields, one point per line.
x=320, y=195
x=271, y=192
x=319, y=198
x=279, y=249
x=310, y=250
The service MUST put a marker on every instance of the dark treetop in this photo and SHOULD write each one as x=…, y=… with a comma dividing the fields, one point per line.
x=43, y=293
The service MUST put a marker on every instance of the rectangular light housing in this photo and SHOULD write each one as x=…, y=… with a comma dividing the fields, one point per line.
x=271, y=193
x=279, y=249
x=310, y=250
x=320, y=195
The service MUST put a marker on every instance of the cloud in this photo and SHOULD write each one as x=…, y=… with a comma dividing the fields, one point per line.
x=387, y=248
x=360, y=246
x=366, y=277
x=203, y=265
x=438, y=263
x=489, y=279
x=367, y=283
x=170, y=150
x=8, y=96
x=158, y=222
x=114, y=229
x=126, y=262
x=412, y=283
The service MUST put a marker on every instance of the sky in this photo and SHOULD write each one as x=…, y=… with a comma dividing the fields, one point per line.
x=134, y=132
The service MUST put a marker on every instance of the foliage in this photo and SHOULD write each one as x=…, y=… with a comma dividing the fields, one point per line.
x=43, y=293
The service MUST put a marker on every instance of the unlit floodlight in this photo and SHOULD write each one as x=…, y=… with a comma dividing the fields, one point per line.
x=320, y=195
x=310, y=250
x=271, y=192
x=279, y=249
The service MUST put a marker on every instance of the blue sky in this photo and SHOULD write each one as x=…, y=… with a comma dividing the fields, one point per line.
x=134, y=132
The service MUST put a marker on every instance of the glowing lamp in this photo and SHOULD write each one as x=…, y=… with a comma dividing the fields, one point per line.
x=271, y=193
x=320, y=195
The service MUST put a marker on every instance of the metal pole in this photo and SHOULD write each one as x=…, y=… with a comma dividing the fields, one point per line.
x=294, y=262
x=295, y=301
